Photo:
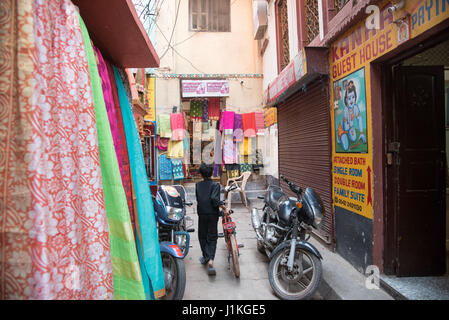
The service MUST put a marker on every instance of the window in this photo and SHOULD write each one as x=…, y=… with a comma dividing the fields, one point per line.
x=312, y=19
x=283, y=51
x=210, y=15
x=339, y=4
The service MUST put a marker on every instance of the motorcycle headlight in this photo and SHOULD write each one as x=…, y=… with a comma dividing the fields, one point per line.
x=174, y=213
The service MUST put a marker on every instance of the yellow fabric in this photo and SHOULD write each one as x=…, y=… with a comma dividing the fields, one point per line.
x=175, y=149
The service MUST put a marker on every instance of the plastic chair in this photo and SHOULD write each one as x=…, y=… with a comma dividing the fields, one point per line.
x=241, y=185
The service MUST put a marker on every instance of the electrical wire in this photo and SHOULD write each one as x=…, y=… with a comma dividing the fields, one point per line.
x=173, y=30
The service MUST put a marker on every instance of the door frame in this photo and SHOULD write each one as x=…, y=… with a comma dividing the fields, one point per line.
x=386, y=246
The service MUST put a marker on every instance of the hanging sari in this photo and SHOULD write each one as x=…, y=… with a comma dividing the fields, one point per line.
x=148, y=243
x=54, y=237
x=125, y=264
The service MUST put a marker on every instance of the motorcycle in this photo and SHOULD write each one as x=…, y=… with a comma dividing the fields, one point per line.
x=295, y=268
x=174, y=240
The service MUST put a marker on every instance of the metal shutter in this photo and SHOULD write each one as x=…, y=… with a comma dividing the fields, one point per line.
x=305, y=146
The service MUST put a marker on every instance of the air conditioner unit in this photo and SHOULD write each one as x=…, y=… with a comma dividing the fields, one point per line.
x=260, y=18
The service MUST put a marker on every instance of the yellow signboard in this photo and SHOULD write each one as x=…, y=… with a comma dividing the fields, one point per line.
x=151, y=114
x=350, y=64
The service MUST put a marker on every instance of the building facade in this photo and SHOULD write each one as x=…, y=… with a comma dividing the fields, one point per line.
x=204, y=45
x=383, y=170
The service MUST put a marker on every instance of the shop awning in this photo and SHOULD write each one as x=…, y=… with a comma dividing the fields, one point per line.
x=116, y=30
x=310, y=64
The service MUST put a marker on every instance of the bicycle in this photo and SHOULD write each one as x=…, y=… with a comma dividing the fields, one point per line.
x=229, y=233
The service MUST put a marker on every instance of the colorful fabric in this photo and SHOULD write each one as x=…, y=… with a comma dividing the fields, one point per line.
x=249, y=124
x=246, y=147
x=108, y=99
x=127, y=84
x=260, y=126
x=196, y=142
x=175, y=149
x=163, y=126
x=177, y=126
x=148, y=242
x=205, y=116
x=238, y=128
x=178, y=173
x=232, y=170
x=246, y=167
x=214, y=108
x=165, y=168
x=196, y=110
x=122, y=152
x=162, y=143
x=127, y=278
x=228, y=149
x=228, y=121
x=54, y=236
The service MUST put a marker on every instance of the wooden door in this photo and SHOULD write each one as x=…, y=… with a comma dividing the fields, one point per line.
x=420, y=168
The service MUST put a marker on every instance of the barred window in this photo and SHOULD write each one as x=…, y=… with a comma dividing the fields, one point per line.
x=210, y=15
x=282, y=34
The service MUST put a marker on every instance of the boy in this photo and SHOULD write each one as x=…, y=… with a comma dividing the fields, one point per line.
x=208, y=200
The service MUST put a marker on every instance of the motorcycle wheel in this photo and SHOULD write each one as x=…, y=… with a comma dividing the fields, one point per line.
x=174, y=277
x=235, y=255
x=300, y=283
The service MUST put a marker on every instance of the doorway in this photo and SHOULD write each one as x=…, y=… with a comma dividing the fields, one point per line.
x=416, y=168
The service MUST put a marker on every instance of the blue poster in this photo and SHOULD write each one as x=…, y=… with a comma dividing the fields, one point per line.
x=350, y=113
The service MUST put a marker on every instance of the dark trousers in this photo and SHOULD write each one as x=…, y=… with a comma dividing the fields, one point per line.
x=208, y=235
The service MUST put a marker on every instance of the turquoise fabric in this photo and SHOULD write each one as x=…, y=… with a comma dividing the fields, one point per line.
x=149, y=251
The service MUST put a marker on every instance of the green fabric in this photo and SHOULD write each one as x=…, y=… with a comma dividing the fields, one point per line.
x=163, y=128
x=127, y=279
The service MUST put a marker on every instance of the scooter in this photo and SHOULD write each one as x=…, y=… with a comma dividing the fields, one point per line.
x=174, y=240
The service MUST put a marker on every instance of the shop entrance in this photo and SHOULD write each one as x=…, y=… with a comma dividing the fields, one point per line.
x=416, y=165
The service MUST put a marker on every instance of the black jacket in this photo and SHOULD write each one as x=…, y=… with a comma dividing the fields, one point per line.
x=208, y=197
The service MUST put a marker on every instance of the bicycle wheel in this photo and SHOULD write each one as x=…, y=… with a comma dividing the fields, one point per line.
x=235, y=255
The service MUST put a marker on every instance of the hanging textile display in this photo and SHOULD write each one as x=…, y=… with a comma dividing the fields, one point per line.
x=122, y=152
x=148, y=243
x=178, y=173
x=260, y=125
x=238, y=128
x=162, y=143
x=165, y=168
x=196, y=143
x=175, y=149
x=214, y=108
x=125, y=80
x=217, y=152
x=163, y=126
x=205, y=116
x=249, y=124
x=196, y=110
x=228, y=149
x=177, y=126
x=127, y=279
x=227, y=122
x=48, y=212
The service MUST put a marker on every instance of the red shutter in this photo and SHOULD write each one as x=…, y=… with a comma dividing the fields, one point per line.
x=305, y=146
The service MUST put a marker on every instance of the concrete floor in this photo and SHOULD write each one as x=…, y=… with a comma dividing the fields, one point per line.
x=253, y=283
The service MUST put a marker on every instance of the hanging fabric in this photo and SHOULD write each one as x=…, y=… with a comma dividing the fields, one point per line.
x=196, y=110
x=177, y=126
x=238, y=128
x=214, y=108
x=162, y=143
x=196, y=143
x=127, y=278
x=178, y=173
x=249, y=124
x=227, y=121
x=163, y=126
x=148, y=243
x=165, y=168
x=48, y=212
x=175, y=149
x=228, y=149
x=122, y=153
x=205, y=116
x=260, y=126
